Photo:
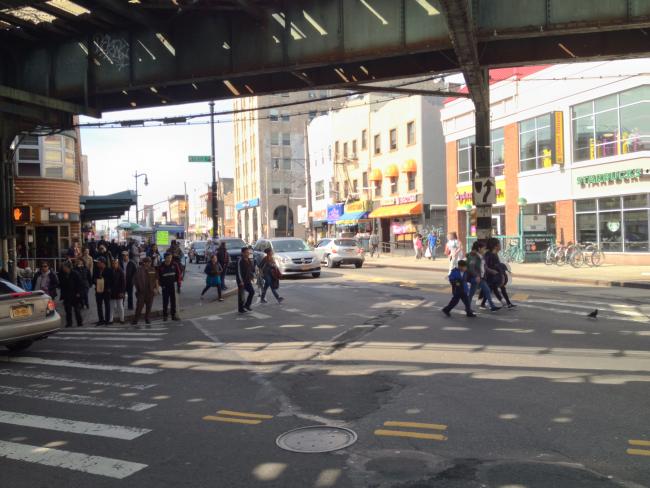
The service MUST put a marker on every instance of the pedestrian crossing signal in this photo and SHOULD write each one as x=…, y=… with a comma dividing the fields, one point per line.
x=22, y=213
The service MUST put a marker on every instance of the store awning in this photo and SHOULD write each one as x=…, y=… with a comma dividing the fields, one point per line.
x=375, y=175
x=410, y=166
x=104, y=207
x=397, y=210
x=392, y=171
x=351, y=218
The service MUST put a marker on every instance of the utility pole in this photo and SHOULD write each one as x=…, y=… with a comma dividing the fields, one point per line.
x=310, y=218
x=215, y=206
x=186, y=217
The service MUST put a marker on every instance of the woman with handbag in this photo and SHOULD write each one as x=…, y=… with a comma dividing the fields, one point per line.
x=271, y=275
x=213, y=276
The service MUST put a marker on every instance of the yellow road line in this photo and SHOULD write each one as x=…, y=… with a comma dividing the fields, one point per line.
x=215, y=418
x=638, y=452
x=415, y=425
x=637, y=442
x=414, y=435
x=244, y=414
x=521, y=297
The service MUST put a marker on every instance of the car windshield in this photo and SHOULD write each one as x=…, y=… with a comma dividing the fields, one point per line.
x=346, y=242
x=291, y=245
x=234, y=243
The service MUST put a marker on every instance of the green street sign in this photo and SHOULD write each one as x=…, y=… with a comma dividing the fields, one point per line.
x=199, y=159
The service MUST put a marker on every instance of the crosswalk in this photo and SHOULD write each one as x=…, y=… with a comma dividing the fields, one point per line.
x=83, y=385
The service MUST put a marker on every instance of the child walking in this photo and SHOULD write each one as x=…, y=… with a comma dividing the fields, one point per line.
x=458, y=279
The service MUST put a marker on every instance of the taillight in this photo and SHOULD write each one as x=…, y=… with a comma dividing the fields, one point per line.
x=51, y=307
x=334, y=251
x=359, y=251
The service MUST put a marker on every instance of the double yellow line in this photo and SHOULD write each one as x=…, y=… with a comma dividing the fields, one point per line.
x=234, y=417
x=413, y=435
x=638, y=443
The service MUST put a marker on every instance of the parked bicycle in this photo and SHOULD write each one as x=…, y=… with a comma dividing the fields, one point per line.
x=587, y=253
x=513, y=253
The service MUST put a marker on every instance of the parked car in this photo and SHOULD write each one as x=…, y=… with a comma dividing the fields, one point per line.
x=335, y=252
x=233, y=247
x=25, y=316
x=293, y=255
x=197, y=251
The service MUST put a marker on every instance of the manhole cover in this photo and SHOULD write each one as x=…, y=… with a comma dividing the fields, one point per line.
x=316, y=438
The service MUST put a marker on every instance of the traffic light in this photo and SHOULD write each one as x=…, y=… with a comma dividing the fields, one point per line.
x=22, y=214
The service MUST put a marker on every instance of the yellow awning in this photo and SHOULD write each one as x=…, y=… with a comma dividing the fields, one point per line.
x=397, y=210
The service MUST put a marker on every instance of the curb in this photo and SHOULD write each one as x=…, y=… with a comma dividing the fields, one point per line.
x=645, y=285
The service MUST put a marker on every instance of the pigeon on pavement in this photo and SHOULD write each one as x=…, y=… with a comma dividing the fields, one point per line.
x=593, y=314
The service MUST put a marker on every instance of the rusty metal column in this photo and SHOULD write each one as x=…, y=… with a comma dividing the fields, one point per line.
x=7, y=227
x=481, y=157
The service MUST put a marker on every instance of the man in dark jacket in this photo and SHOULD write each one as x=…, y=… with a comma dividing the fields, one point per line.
x=245, y=276
x=168, y=277
x=129, y=268
x=86, y=279
x=146, y=287
x=45, y=280
x=101, y=280
x=71, y=291
x=223, y=258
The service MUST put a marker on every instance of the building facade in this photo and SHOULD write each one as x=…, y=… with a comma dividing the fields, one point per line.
x=570, y=151
x=48, y=178
x=178, y=209
x=383, y=161
x=269, y=159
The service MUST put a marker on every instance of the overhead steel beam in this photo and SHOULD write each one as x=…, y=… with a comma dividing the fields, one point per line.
x=407, y=91
x=46, y=102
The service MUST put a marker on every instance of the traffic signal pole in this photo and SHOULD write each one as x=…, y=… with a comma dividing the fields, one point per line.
x=215, y=203
x=7, y=227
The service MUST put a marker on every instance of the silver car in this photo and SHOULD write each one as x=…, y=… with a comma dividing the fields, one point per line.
x=25, y=316
x=335, y=252
x=292, y=255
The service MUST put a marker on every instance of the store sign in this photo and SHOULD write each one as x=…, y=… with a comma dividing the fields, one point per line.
x=407, y=228
x=334, y=212
x=358, y=206
x=254, y=202
x=464, y=194
x=63, y=217
x=162, y=238
x=558, y=128
x=614, y=176
x=385, y=202
x=319, y=214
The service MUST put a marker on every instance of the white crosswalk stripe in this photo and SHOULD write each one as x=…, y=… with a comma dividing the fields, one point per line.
x=582, y=310
x=72, y=426
x=74, y=399
x=122, y=333
x=71, y=379
x=98, y=465
x=91, y=338
x=77, y=364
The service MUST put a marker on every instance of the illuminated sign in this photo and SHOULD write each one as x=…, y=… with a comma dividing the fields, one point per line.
x=358, y=206
x=22, y=213
x=558, y=126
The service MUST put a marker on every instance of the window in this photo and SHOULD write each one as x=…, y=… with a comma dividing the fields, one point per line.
x=617, y=224
x=464, y=159
x=355, y=186
x=338, y=191
x=410, y=133
x=53, y=158
x=364, y=139
x=393, y=185
x=273, y=115
x=276, y=163
x=377, y=188
x=275, y=189
x=365, y=180
x=377, y=143
x=411, y=181
x=285, y=116
x=275, y=139
x=286, y=139
x=497, y=153
x=612, y=125
x=336, y=151
x=319, y=190
x=287, y=190
x=535, y=143
x=393, y=139
x=354, y=148
x=286, y=163
x=346, y=189
x=28, y=157
x=345, y=150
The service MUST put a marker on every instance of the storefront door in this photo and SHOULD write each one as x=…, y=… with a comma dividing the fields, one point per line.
x=47, y=241
x=497, y=228
x=385, y=230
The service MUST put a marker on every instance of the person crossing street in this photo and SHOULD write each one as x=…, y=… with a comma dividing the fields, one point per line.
x=146, y=287
x=168, y=277
x=71, y=291
x=245, y=276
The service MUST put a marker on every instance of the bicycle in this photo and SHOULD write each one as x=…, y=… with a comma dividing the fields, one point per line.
x=514, y=253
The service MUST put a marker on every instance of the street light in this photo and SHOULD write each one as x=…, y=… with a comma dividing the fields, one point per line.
x=146, y=183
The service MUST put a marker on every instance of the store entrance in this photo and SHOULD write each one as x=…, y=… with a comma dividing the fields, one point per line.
x=385, y=233
x=47, y=240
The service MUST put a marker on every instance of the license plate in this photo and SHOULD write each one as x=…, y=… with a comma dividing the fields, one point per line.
x=21, y=312
x=306, y=266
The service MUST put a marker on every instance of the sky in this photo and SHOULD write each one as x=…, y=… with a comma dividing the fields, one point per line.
x=114, y=155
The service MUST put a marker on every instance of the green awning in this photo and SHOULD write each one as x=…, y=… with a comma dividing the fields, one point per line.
x=104, y=207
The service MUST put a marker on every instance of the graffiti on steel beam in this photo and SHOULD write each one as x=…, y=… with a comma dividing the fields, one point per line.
x=114, y=50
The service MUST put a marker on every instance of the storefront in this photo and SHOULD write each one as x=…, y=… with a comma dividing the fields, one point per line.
x=319, y=223
x=400, y=218
x=355, y=221
x=334, y=212
x=247, y=219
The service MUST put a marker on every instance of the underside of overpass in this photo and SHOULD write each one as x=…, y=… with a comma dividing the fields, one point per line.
x=65, y=57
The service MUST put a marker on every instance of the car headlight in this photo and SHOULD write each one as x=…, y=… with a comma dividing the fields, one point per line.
x=283, y=259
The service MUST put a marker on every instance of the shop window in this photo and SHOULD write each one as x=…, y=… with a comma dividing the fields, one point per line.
x=612, y=125
x=535, y=143
x=319, y=190
x=617, y=224
x=377, y=188
x=393, y=185
x=364, y=139
x=410, y=133
x=377, y=143
x=393, y=139
x=411, y=181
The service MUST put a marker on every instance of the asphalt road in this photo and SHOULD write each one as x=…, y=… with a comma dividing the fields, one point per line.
x=540, y=396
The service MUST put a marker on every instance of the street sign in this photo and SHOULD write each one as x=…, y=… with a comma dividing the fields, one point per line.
x=199, y=159
x=484, y=191
x=273, y=224
x=22, y=214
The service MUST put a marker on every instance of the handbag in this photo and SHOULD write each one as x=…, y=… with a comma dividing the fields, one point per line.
x=427, y=253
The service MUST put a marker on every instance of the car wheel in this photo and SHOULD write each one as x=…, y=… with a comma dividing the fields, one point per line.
x=19, y=346
x=316, y=275
x=358, y=265
x=330, y=263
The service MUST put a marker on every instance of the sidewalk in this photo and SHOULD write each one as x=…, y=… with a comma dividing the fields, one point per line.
x=605, y=275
